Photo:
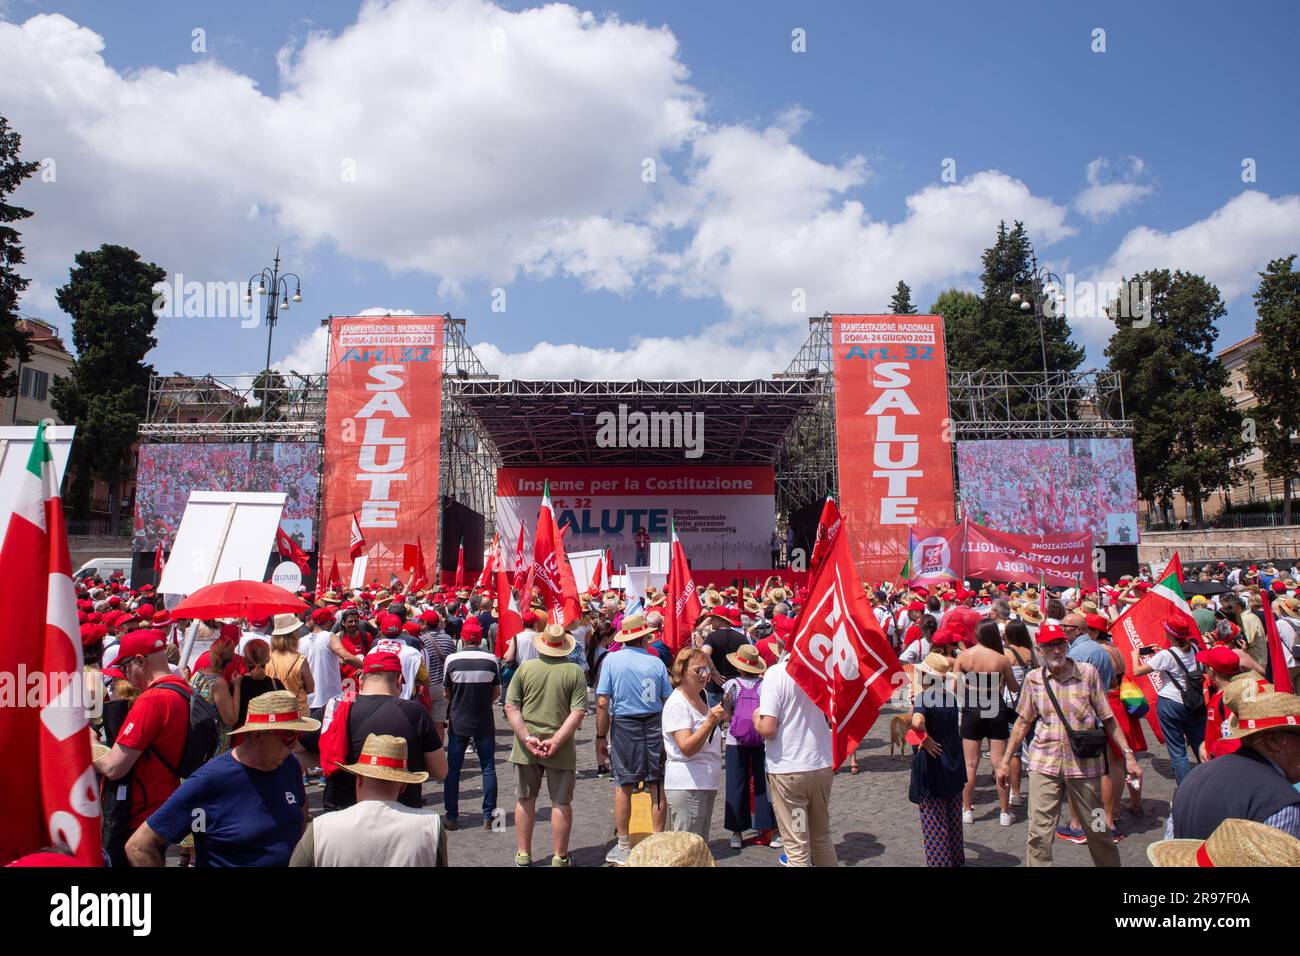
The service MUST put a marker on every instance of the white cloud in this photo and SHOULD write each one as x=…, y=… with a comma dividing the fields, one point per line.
x=380, y=310
x=307, y=355
x=1108, y=191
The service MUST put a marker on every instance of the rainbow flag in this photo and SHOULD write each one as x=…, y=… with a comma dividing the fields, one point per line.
x=1131, y=696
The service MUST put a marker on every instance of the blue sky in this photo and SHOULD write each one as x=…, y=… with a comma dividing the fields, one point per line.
x=777, y=170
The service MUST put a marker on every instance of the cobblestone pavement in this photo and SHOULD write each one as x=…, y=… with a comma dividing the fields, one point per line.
x=873, y=824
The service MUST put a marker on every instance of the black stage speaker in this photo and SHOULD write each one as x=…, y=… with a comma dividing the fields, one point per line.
x=462, y=525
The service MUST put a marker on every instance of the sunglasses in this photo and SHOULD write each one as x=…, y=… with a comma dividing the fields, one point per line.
x=701, y=672
x=287, y=736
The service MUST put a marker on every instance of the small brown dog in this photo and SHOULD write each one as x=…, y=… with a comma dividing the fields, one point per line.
x=899, y=725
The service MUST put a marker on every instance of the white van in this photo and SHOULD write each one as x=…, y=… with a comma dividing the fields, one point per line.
x=105, y=568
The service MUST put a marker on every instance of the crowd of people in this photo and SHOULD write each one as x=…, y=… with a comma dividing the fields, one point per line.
x=371, y=694
x=1051, y=486
x=166, y=474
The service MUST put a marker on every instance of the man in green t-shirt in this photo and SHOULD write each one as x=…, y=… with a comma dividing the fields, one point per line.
x=545, y=704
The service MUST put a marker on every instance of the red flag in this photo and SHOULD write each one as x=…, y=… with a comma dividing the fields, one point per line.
x=50, y=796
x=421, y=578
x=518, y=569
x=838, y=654
x=358, y=544
x=684, y=607
x=290, y=551
x=509, y=621
x=158, y=562
x=336, y=583
x=460, y=565
x=1278, y=673
x=487, y=577
x=594, y=586
x=551, y=567
x=1143, y=624
x=828, y=529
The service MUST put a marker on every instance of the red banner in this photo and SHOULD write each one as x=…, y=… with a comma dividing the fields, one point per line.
x=1061, y=559
x=383, y=421
x=892, y=434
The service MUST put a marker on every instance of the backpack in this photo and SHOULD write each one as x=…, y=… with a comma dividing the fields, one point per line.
x=742, y=717
x=1192, y=691
x=203, y=736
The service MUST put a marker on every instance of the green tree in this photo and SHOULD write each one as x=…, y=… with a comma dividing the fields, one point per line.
x=272, y=391
x=1187, y=432
x=15, y=346
x=110, y=297
x=901, y=303
x=1272, y=372
x=961, y=313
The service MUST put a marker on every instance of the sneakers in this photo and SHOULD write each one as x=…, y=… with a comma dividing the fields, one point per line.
x=737, y=841
x=1115, y=834
x=1005, y=819
x=618, y=855
x=783, y=860
x=523, y=859
x=776, y=841
x=450, y=823
x=487, y=824
x=1016, y=800
x=602, y=771
x=562, y=861
x=968, y=816
x=1071, y=834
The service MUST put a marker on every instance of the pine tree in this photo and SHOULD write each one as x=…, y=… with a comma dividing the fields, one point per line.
x=110, y=297
x=1272, y=372
x=1187, y=432
x=15, y=345
x=901, y=303
x=961, y=313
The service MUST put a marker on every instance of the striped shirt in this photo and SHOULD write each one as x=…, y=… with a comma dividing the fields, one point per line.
x=1083, y=701
x=433, y=660
x=471, y=677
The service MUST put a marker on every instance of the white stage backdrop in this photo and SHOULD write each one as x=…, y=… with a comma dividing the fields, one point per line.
x=725, y=514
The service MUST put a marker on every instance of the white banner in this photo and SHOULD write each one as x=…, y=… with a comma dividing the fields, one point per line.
x=725, y=515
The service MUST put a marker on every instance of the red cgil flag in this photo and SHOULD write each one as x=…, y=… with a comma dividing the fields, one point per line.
x=50, y=795
x=290, y=551
x=357, y=546
x=336, y=583
x=838, y=654
x=460, y=566
x=1278, y=674
x=517, y=571
x=594, y=587
x=509, y=619
x=683, y=604
x=828, y=529
x=551, y=567
x=487, y=577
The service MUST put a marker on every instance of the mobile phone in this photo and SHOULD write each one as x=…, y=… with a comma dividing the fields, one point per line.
x=1148, y=649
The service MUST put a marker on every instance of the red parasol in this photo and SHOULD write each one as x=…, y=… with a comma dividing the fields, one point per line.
x=244, y=599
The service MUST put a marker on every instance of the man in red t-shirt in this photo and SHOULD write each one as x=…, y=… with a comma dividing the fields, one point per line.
x=156, y=726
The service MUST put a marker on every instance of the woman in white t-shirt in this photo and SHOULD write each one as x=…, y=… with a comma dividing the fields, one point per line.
x=692, y=746
x=1183, y=728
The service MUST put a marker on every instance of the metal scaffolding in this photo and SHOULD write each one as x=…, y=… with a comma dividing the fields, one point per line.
x=984, y=404
x=468, y=470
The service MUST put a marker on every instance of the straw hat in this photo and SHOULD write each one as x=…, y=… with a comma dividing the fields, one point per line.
x=936, y=664
x=1233, y=843
x=553, y=642
x=1030, y=614
x=634, y=628
x=329, y=597
x=747, y=659
x=1030, y=594
x=657, y=601
x=384, y=758
x=671, y=849
x=275, y=710
x=1243, y=686
x=97, y=749
x=712, y=599
x=777, y=595
x=286, y=624
x=752, y=606
x=1265, y=713
x=1290, y=607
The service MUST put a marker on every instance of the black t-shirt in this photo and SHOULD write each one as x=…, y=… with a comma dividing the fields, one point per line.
x=380, y=714
x=725, y=641
x=250, y=687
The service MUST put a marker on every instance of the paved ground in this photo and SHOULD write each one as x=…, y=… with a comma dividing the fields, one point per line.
x=873, y=822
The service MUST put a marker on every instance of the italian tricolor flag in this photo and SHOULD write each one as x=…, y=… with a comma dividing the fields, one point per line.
x=52, y=796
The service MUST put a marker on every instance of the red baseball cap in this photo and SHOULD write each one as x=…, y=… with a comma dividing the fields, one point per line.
x=1049, y=633
x=382, y=662
x=916, y=606
x=139, y=643
x=471, y=627
x=1096, y=622
x=1220, y=659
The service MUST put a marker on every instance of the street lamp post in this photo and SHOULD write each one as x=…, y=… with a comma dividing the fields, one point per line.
x=1036, y=298
x=271, y=281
